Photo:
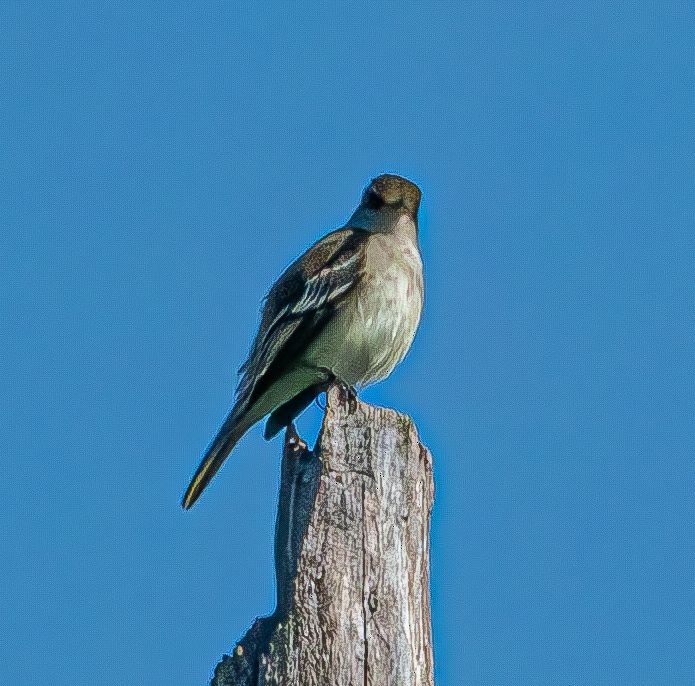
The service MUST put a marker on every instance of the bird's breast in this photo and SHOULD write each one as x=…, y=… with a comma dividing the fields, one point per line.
x=387, y=308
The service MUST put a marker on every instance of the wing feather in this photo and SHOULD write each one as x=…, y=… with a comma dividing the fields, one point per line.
x=299, y=305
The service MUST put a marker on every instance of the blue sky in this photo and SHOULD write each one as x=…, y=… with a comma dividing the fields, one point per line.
x=163, y=163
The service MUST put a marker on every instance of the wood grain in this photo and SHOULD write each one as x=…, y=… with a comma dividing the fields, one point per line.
x=352, y=560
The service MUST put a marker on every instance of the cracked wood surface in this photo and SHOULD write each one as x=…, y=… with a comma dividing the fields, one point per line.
x=352, y=560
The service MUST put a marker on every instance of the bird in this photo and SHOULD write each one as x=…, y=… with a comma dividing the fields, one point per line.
x=344, y=312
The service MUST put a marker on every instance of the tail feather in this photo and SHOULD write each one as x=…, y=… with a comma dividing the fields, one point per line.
x=285, y=414
x=246, y=413
x=218, y=451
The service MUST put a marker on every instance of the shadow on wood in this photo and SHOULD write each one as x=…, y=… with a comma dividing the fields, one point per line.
x=352, y=560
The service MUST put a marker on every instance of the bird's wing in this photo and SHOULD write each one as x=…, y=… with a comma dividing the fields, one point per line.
x=299, y=305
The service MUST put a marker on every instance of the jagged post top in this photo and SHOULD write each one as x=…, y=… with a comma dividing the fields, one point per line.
x=352, y=552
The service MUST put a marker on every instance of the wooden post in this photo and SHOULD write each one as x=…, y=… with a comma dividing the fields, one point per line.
x=352, y=560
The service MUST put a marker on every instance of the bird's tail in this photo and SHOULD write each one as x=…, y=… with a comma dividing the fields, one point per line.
x=218, y=451
x=245, y=414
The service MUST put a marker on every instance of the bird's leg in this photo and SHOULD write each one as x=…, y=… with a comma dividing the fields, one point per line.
x=348, y=395
x=323, y=388
x=293, y=438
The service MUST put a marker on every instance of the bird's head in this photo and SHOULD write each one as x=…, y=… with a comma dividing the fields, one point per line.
x=392, y=192
x=385, y=201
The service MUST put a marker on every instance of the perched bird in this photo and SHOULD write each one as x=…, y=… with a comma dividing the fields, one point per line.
x=346, y=311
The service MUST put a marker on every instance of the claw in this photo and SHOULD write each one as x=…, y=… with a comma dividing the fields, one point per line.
x=292, y=438
x=348, y=396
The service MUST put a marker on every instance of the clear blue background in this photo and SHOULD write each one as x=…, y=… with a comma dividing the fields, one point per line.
x=162, y=163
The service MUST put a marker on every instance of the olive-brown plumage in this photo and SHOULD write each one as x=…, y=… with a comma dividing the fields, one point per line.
x=346, y=310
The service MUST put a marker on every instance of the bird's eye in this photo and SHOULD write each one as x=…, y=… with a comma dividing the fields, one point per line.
x=374, y=200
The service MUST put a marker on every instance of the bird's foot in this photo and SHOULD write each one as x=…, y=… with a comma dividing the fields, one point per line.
x=348, y=395
x=293, y=439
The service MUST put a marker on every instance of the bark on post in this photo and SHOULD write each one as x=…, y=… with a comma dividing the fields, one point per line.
x=352, y=560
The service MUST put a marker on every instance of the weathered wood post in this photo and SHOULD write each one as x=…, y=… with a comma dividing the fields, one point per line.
x=352, y=560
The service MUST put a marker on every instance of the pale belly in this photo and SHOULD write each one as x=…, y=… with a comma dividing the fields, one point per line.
x=376, y=325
